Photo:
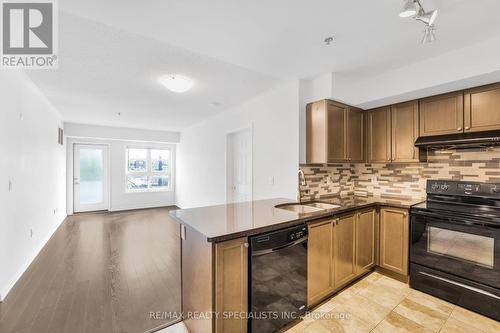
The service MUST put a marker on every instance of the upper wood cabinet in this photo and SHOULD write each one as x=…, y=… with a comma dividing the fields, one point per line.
x=319, y=261
x=366, y=240
x=404, y=124
x=394, y=240
x=391, y=134
x=443, y=114
x=482, y=108
x=336, y=122
x=231, y=284
x=355, y=135
x=334, y=133
x=379, y=135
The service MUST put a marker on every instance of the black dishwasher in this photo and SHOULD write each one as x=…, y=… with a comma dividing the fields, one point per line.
x=278, y=278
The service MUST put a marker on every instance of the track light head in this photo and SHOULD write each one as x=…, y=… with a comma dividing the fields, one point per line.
x=410, y=8
x=429, y=34
x=427, y=17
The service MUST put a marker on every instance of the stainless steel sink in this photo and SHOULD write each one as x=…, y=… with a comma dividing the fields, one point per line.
x=323, y=205
x=301, y=209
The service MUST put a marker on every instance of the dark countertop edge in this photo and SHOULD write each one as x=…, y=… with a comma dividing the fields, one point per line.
x=291, y=223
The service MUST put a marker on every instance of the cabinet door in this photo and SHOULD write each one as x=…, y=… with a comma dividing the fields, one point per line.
x=231, y=284
x=316, y=136
x=343, y=251
x=482, y=109
x=366, y=240
x=336, y=129
x=443, y=114
x=394, y=240
x=319, y=262
x=355, y=135
x=379, y=135
x=404, y=132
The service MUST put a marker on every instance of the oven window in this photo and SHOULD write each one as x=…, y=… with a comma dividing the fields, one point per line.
x=460, y=245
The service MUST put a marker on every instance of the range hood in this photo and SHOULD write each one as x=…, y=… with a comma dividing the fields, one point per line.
x=460, y=140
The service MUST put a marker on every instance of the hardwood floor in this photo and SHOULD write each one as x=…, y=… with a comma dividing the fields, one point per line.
x=100, y=273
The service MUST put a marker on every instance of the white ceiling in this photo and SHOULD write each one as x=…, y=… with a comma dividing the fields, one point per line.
x=112, y=51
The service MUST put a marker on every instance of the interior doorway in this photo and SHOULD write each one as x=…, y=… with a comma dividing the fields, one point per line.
x=90, y=178
x=239, y=166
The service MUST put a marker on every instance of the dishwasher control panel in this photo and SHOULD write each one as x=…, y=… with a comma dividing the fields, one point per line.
x=278, y=238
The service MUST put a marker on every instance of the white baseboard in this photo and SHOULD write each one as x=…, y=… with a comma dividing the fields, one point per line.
x=141, y=206
x=28, y=262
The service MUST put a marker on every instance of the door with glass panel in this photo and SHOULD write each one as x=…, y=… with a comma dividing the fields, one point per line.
x=90, y=182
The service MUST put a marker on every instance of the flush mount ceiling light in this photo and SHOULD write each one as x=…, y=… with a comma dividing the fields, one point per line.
x=413, y=8
x=176, y=82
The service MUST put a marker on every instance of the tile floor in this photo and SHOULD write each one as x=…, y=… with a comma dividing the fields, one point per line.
x=380, y=304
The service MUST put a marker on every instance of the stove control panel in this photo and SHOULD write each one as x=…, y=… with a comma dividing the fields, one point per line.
x=450, y=187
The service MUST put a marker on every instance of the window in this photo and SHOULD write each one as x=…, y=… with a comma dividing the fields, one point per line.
x=148, y=169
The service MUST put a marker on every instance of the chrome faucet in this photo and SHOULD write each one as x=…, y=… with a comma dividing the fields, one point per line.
x=302, y=182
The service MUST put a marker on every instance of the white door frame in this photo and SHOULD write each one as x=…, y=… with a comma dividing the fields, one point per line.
x=229, y=162
x=77, y=208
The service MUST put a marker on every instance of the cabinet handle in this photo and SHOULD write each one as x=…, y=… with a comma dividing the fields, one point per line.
x=405, y=214
x=246, y=245
x=459, y=129
x=467, y=127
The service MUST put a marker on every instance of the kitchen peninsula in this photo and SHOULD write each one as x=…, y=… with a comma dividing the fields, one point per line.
x=344, y=244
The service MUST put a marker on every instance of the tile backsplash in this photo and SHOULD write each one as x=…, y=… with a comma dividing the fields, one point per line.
x=401, y=180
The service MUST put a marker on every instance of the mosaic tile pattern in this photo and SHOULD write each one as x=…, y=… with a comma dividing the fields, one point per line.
x=401, y=180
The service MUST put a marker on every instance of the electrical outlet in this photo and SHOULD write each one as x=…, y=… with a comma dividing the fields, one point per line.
x=271, y=181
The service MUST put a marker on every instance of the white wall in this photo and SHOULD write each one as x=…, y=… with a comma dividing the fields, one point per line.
x=119, y=198
x=201, y=155
x=35, y=164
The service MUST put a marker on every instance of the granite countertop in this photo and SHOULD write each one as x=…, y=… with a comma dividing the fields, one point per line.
x=229, y=221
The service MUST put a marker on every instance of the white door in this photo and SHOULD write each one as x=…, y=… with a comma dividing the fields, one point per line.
x=90, y=182
x=239, y=173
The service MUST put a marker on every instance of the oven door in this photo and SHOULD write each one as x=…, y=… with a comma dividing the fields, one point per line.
x=460, y=246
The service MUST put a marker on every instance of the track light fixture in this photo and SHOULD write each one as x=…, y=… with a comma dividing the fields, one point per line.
x=413, y=8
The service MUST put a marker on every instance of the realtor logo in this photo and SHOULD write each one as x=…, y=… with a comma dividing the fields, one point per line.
x=28, y=34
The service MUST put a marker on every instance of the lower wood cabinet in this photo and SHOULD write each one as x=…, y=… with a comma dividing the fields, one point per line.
x=366, y=240
x=319, y=261
x=394, y=240
x=231, y=284
x=343, y=250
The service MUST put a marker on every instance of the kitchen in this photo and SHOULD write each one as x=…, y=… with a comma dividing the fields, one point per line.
x=361, y=208
x=230, y=166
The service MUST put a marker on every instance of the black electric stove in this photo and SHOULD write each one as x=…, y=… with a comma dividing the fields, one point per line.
x=455, y=244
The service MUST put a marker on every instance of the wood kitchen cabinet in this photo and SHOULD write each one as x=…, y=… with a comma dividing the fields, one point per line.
x=339, y=250
x=355, y=135
x=404, y=132
x=334, y=132
x=394, y=240
x=366, y=229
x=343, y=250
x=320, y=261
x=443, y=114
x=482, y=108
x=379, y=135
x=391, y=134
x=231, y=284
